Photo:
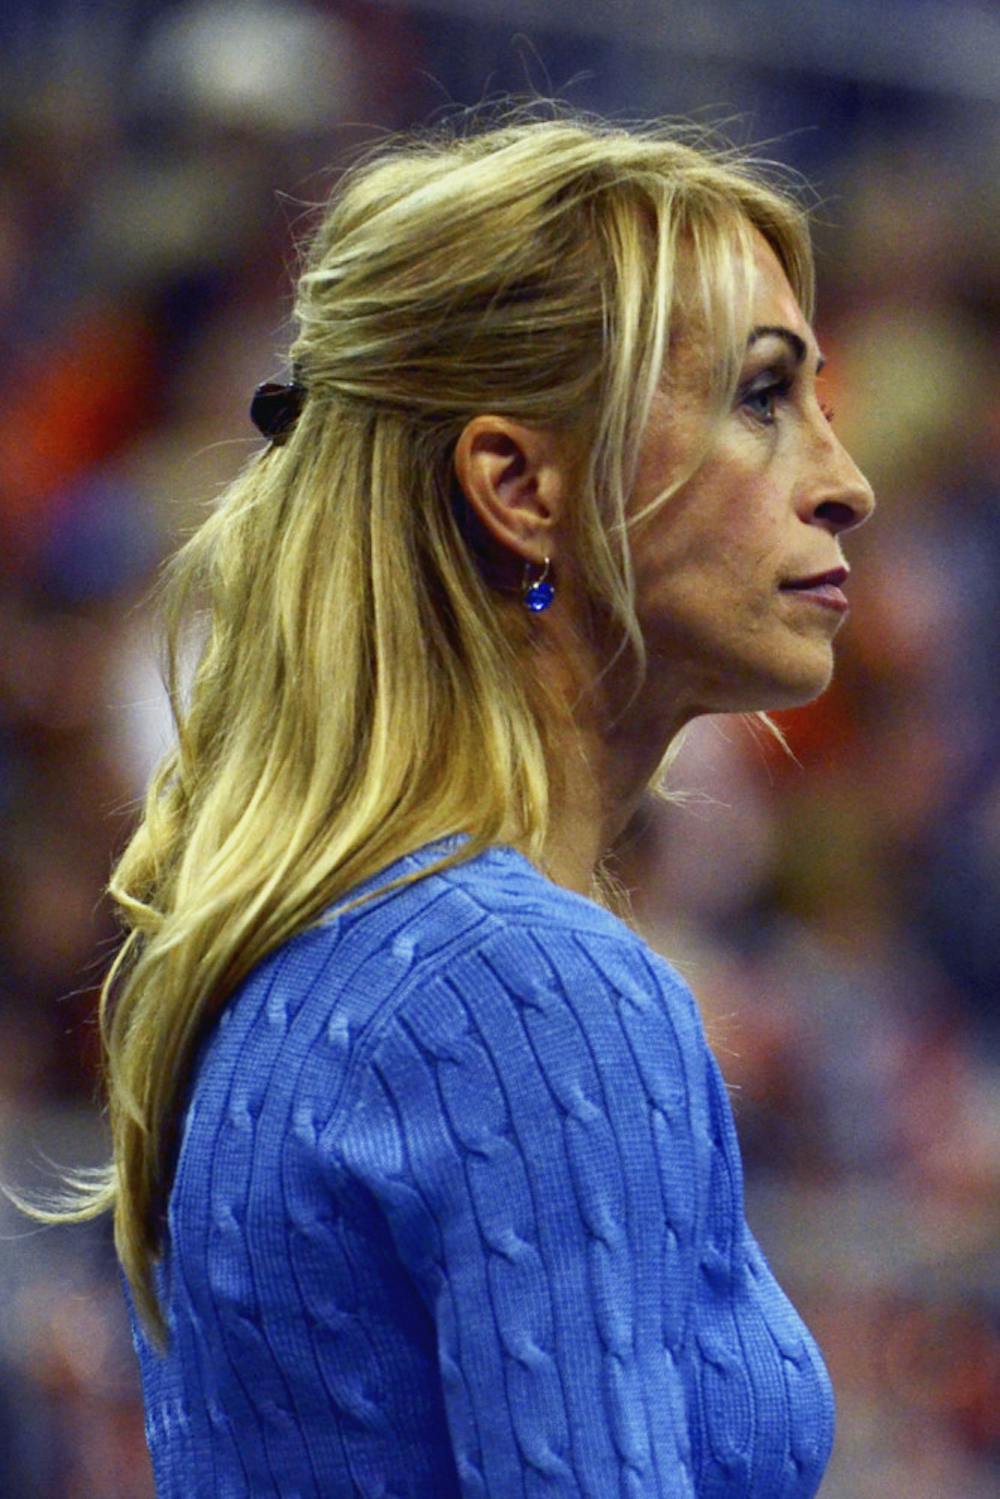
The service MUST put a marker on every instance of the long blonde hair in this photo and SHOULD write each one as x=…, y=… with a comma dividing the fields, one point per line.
x=361, y=689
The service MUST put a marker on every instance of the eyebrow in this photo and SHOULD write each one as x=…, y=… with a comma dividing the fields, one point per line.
x=794, y=342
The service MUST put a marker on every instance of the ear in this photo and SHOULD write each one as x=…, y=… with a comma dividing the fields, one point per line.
x=516, y=481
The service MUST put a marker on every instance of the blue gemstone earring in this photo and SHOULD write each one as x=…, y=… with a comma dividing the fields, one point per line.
x=538, y=595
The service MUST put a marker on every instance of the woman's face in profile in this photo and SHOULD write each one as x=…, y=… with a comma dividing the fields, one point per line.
x=723, y=568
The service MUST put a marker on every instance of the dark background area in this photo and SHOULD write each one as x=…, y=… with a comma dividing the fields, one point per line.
x=836, y=914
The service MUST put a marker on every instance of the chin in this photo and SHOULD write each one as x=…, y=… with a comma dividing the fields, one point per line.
x=802, y=687
x=794, y=684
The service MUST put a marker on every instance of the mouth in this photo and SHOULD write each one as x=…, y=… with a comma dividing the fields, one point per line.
x=823, y=589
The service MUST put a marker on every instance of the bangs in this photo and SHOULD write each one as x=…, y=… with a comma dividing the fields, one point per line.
x=715, y=297
x=712, y=308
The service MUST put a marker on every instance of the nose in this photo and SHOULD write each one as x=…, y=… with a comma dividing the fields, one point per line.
x=841, y=498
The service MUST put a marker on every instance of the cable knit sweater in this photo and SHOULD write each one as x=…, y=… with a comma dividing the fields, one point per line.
x=458, y=1211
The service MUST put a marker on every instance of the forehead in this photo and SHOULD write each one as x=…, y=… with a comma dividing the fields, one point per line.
x=709, y=320
x=772, y=298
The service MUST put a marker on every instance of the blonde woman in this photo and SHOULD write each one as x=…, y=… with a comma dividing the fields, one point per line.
x=425, y=1181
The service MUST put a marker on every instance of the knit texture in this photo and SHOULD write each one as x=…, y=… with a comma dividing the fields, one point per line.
x=458, y=1211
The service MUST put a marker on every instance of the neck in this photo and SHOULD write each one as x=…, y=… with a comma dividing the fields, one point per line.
x=603, y=775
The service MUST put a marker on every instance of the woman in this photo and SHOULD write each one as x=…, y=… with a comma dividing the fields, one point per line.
x=425, y=1181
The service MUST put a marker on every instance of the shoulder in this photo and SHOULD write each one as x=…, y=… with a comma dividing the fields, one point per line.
x=508, y=971
x=487, y=945
x=497, y=919
x=497, y=884
x=554, y=1064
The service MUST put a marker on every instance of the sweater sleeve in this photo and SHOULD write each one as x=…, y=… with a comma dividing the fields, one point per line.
x=533, y=1126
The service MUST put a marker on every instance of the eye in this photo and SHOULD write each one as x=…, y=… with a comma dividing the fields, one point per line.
x=761, y=400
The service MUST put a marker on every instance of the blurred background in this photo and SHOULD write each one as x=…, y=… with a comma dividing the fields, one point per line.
x=836, y=914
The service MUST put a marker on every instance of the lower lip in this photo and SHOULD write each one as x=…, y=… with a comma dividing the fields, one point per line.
x=826, y=595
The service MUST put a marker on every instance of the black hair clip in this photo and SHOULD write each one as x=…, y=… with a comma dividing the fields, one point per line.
x=275, y=408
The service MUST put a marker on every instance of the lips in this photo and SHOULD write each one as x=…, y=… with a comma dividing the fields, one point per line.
x=822, y=589
x=835, y=577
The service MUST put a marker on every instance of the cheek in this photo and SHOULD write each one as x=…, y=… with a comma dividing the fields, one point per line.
x=722, y=537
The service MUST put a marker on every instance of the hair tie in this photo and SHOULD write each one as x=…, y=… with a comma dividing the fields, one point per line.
x=275, y=407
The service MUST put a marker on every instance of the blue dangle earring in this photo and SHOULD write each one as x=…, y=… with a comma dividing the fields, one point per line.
x=539, y=594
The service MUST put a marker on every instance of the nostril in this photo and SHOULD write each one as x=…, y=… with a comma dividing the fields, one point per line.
x=838, y=515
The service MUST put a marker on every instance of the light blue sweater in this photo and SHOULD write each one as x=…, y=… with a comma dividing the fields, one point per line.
x=458, y=1211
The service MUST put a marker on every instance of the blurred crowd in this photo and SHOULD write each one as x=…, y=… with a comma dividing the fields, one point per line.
x=835, y=910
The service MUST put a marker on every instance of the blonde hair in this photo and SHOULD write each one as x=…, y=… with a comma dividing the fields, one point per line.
x=361, y=690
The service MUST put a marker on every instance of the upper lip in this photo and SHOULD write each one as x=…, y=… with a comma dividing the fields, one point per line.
x=835, y=577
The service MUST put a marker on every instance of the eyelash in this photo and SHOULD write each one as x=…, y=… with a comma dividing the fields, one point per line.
x=770, y=393
x=773, y=392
